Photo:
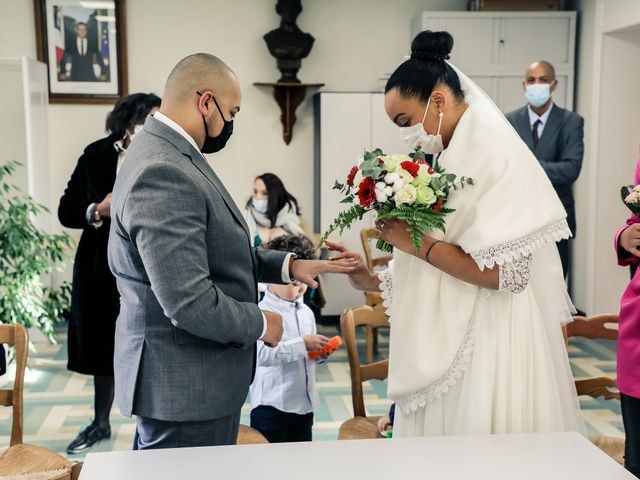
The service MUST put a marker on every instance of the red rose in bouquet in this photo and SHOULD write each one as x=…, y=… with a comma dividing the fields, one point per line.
x=411, y=167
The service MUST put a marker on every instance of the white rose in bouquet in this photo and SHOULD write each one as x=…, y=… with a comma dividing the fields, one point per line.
x=425, y=195
x=406, y=196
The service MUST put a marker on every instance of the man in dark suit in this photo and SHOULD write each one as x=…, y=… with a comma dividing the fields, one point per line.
x=555, y=136
x=82, y=62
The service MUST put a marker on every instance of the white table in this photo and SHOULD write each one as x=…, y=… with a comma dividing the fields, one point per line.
x=563, y=456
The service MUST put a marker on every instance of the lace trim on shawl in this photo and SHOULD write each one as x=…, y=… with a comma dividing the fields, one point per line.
x=521, y=247
x=410, y=403
x=386, y=289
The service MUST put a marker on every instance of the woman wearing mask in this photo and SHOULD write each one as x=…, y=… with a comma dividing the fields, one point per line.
x=272, y=211
x=476, y=345
x=85, y=204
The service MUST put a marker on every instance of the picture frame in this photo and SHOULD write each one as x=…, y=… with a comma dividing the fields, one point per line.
x=84, y=45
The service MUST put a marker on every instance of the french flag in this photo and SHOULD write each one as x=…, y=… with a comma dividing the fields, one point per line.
x=58, y=34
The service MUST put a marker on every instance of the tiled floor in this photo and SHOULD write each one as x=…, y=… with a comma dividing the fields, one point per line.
x=59, y=403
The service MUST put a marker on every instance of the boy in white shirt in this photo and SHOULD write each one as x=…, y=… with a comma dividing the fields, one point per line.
x=283, y=392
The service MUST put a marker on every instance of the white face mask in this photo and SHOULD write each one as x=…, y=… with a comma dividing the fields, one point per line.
x=538, y=94
x=260, y=206
x=416, y=136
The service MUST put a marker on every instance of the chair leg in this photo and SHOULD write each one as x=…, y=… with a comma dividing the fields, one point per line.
x=369, y=343
x=376, y=350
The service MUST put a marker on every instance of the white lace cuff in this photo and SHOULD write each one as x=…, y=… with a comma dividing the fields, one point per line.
x=522, y=247
x=386, y=289
x=514, y=275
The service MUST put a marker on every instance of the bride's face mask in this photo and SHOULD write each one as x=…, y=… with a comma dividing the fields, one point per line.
x=416, y=136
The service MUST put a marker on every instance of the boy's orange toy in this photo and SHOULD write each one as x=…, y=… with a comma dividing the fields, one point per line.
x=332, y=346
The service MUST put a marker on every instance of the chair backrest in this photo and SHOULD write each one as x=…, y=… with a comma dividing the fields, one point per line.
x=350, y=319
x=603, y=326
x=599, y=326
x=366, y=236
x=16, y=335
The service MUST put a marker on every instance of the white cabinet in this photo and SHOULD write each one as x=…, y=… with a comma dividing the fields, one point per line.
x=346, y=125
x=495, y=48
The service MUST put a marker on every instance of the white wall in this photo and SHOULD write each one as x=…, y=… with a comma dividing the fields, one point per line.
x=617, y=153
x=356, y=42
x=608, y=98
x=586, y=79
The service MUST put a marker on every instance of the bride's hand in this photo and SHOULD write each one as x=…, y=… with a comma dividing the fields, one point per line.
x=394, y=232
x=361, y=278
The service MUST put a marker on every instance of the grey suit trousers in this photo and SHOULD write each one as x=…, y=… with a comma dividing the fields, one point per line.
x=155, y=434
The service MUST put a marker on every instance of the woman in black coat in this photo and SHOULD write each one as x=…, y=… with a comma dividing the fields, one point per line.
x=94, y=299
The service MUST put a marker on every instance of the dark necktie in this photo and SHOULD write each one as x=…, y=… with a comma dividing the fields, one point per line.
x=534, y=132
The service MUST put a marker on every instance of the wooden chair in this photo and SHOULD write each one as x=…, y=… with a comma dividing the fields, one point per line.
x=361, y=426
x=598, y=327
x=250, y=436
x=367, y=235
x=21, y=460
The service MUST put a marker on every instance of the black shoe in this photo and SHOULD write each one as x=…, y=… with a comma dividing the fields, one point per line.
x=88, y=438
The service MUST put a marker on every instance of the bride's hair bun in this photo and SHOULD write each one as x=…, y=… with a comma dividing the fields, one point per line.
x=432, y=46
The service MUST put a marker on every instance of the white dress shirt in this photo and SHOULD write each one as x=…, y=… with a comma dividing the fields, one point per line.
x=82, y=45
x=534, y=117
x=119, y=146
x=286, y=275
x=285, y=377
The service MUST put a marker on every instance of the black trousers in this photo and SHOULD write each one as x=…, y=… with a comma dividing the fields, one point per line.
x=278, y=426
x=631, y=420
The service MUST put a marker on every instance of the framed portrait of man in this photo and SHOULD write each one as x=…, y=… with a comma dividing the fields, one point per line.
x=83, y=44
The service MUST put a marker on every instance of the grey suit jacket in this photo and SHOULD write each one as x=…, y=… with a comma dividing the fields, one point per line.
x=559, y=150
x=187, y=275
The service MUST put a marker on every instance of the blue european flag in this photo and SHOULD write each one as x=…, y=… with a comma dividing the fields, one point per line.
x=105, y=42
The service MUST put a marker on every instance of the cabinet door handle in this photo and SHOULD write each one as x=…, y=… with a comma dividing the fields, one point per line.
x=502, y=41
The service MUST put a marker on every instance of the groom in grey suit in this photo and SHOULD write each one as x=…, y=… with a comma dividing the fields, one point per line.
x=187, y=272
x=556, y=138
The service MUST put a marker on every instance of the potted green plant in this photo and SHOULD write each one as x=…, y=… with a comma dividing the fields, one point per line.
x=27, y=253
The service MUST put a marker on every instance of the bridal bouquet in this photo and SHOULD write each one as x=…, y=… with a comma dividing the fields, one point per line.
x=631, y=198
x=404, y=187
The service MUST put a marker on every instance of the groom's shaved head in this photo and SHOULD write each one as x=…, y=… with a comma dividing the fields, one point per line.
x=197, y=72
x=201, y=93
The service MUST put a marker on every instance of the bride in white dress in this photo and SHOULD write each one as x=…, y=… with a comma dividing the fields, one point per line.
x=476, y=345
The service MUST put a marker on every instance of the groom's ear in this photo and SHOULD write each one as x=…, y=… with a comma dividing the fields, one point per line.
x=203, y=101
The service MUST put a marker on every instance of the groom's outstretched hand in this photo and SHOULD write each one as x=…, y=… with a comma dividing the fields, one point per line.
x=306, y=271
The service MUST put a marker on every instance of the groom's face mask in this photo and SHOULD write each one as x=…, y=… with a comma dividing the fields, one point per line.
x=215, y=144
x=416, y=136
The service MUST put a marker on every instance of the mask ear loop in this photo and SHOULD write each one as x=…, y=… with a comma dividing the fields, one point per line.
x=424, y=117
x=440, y=115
